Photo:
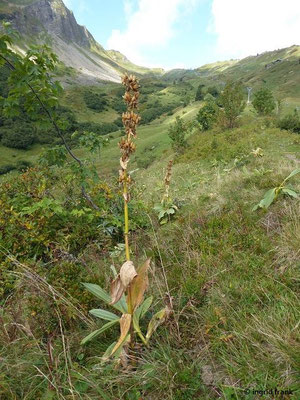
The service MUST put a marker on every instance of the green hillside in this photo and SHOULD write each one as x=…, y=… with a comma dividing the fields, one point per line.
x=232, y=273
x=217, y=316
x=163, y=96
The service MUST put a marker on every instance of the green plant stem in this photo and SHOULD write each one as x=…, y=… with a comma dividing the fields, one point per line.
x=126, y=217
x=127, y=251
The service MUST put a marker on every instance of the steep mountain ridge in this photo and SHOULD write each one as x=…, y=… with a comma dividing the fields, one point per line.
x=49, y=16
x=51, y=22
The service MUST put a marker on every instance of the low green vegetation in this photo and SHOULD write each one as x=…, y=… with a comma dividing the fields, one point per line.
x=95, y=101
x=208, y=114
x=223, y=278
x=272, y=194
x=290, y=122
x=232, y=104
x=177, y=134
x=264, y=102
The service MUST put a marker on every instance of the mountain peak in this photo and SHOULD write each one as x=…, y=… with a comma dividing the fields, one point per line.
x=47, y=16
x=52, y=22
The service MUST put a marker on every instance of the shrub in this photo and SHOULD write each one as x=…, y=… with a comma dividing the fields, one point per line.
x=45, y=229
x=95, y=101
x=207, y=115
x=199, y=94
x=46, y=136
x=232, y=101
x=290, y=122
x=4, y=169
x=118, y=105
x=150, y=114
x=21, y=137
x=145, y=162
x=118, y=122
x=264, y=102
x=100, y=129
x=157, y=109
x=213, y=91
x=22, y=165
x=107, y=127
x=177, y=132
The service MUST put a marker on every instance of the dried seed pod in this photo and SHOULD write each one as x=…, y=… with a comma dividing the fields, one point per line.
x=167, y=181
x=130, y=120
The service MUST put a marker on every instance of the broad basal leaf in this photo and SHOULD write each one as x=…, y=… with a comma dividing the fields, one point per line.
x=290, y=192
x=139, y=313
x=108, y=351
x=268, y=198
x=161, y=214
x=103, y=314
x=99, y=331
x=171, y=211
x=163, y=221
x=156, y=320
x=101, y=294
x=144, y=307
x=97, y=291
x=295, y=172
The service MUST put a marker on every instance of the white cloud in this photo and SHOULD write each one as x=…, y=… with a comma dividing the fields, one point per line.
x=150, y=26
x=128, y=8
x=246, y=27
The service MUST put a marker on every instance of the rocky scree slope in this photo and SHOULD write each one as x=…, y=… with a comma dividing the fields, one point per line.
x=51, y=22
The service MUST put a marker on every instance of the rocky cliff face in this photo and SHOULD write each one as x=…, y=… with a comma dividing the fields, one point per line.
x=52, y=22
x=51, y=17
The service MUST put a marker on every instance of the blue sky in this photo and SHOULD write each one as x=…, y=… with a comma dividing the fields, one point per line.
x=189, y=33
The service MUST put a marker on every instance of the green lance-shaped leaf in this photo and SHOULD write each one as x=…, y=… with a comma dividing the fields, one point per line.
x=290, y=192
x=99, y=331
x=170, y=211
x=155, y=321
x=117, y=354
x=97, y=291
x=158, y=208
x=108, y=351
x=161, y=214
x=268, y=199
x=103, y=314
x=144, y=307
x=295, y=172
x=138, y=314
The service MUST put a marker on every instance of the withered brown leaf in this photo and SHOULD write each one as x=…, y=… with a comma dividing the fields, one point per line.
x=125, y=322
x=127, y=273
x=139, y=285
x=116, y=290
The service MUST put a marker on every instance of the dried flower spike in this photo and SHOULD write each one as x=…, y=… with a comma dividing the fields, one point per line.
x=167, y=181
x=130, y=121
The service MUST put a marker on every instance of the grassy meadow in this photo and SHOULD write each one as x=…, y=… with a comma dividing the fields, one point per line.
x=231, y=273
